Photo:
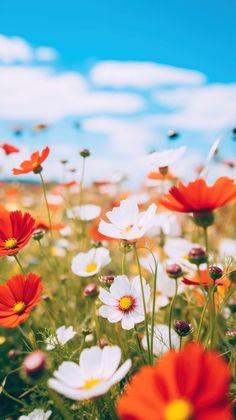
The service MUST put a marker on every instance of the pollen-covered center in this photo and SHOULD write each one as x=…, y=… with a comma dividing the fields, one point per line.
x=19, y=307
x=128, y=228
x=10, y=243
x=35, y=165
x=126, y=303
x=179, y=409
x=91, y=267
x=91, y=383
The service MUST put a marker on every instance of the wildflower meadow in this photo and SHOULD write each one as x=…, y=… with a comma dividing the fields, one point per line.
x=117, y=303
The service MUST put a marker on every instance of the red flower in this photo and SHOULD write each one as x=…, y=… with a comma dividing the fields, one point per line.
x=18, y=296
x=8, y=148
x=186, y=385
x=15, y=231
x=34, y=164
x=197, y=196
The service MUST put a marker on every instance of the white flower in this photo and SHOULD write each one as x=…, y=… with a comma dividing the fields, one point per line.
x=227, y=248
x=161, y=339
x=62, y=336
x=127, y=222
x=166, y=157
x=166, y=223
x=86, y=213
x=87, y=264
x=96, y=373
x=37, y=414
x=124, y=301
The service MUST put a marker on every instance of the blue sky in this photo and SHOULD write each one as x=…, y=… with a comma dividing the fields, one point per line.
x=121, y=116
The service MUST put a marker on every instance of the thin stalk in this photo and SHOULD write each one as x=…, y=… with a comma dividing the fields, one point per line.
x=20, y=265
x=180, y=342
x=171, y=310
x=82, y=182
x=46, y=202
x=13, y=398
x=202, y=317
x=153, y=306
x=138, y=342
x=123, y=263
x=144, y=304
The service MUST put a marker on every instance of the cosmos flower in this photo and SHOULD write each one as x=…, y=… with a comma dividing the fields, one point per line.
x=34, y=164
x=96, y=373
x=165, y=158
x=16, y=229
x=18, y=296
x=62, y=336
x=161, y=339
x=176, y=388
x=87, y=264
x=9, y=148
x=197, y=196
x=126, y=222
x=124, y=301
x=37, y=414
x=86, y=213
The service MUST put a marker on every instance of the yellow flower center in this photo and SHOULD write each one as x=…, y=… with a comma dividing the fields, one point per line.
x=34, y=165
x=179, y=409
x=91, y=267
x=91, y=383
x=128, y=229
x=19, y=307
x=10, y=243
x=126, y=303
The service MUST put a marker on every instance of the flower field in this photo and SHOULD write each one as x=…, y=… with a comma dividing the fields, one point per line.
x=117, y=304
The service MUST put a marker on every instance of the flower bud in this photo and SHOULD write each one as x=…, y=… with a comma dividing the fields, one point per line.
x=182, y=328
x=107, y=280
x=103, y=342
x=215, y=272
x=86, y=332
x=197, y=255
x=174, y=271
x=96, y=244
x=38, y=234
x=172, y=134
x=64, y=161
x=34, y=364
x=63, y=278
x=12, y=354
x=91, y=290
x=85, y=153
x=203, y=219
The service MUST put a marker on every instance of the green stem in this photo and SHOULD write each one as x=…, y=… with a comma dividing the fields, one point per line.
x=20, y=265
x=171, y=310
x=27, y=339
x=144, y=303
x=82, y=183
x=13, y=398
x=97, y=330
x=206, y=244
x=123, y=264
x=180, y=342
x=138, y=342
x=202, y=317
x=46, y=202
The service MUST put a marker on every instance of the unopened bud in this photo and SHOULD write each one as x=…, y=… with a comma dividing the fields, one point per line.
x=197, y=255
x=12, y=354
x=182, y=328
x=107, y=280
x=84, y=153
x=174, y=271
x=163, y=170
x=34, y=364
x=215, y=272
x=125, y=246
x=38, y=234
x=91, y=290
x=103, y=342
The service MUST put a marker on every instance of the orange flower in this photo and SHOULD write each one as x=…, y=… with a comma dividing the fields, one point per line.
x=8, y=148
x=197, y=196
x=34, y=164
x=182, y=386
x=45, y=226
x=15, y=231
x=18, y=296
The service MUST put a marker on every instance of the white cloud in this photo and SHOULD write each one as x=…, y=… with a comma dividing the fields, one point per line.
x=209, y=107
x=45, y=54
x=39, y=93
x=127, y=138
x=16, y=49
x=142, y=74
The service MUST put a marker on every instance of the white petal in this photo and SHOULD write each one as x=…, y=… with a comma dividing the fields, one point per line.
x=121, y=372
x=90, y=360
x=127, y=322
x=111, y=356
x=120, y=287
x=70, y=374
x=106, y=297
x=109, y=230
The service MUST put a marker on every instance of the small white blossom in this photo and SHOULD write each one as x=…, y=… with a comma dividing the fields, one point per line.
x=62, y=336
x=37, y=414
x=87, y=264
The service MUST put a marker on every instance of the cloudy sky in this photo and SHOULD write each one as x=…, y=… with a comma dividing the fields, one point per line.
x=127, y=71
